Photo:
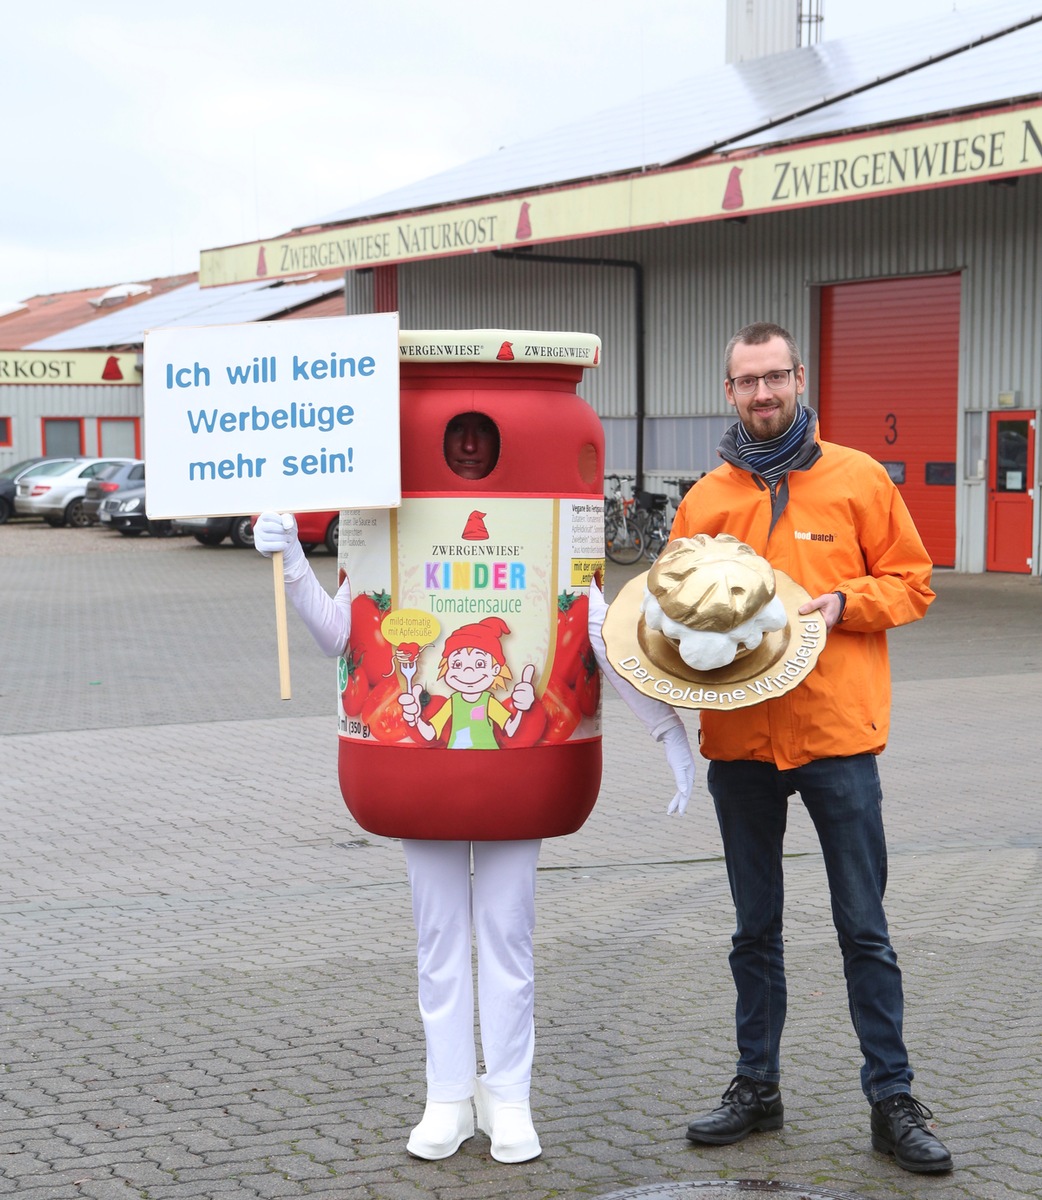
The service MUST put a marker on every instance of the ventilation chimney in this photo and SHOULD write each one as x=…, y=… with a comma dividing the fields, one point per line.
x=759, y=27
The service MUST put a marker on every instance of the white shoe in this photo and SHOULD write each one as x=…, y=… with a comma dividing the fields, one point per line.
x=509, y=1124
x=445, y=1126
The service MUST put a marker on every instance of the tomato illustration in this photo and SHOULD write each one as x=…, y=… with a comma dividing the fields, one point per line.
x=372, y=651
x=588, y=685
x=356, y=688
x=533, y=724
x=562, y=711
x=573, y=636
x=383, y=714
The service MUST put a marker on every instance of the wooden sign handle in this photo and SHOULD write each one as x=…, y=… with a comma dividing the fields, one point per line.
x=281, y=630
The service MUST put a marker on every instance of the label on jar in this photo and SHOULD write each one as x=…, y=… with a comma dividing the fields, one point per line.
x=469, y=622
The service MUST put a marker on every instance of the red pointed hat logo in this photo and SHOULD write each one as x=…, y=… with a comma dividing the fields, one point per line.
x=506, y=352
x=262, y=262
x=474, y=530
x=112, y=370
x=524, y=225
x=733, y=197
x=596, y=355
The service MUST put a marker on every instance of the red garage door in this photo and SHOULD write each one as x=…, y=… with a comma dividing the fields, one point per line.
x=889, y=379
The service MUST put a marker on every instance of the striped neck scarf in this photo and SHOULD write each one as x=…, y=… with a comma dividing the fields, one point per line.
x=772, y=459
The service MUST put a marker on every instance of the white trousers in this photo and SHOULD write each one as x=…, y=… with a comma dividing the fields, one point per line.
x=498, y=900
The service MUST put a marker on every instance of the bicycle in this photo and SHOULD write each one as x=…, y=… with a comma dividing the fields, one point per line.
x=623, y=536
x=654, y=524
x=655, y=517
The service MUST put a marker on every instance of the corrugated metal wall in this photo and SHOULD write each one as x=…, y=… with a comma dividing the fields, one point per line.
x=486, y=291
x=27, y=406
x=358, y=292
x=702, y=282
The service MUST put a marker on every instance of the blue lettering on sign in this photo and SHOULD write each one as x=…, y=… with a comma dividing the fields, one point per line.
x=322, y=463
x=262, y=370
x=331, y=368
x=228, y=468
x=186, y=377
x=297, y=416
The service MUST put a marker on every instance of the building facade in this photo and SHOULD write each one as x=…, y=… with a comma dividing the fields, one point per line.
x=880, y=196
x=919, y=316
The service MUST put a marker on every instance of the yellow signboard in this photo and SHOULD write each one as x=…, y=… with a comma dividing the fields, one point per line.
x=939, y=154
x=28, y=367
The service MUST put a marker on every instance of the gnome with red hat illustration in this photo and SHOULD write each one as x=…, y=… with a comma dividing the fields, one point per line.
x=473, y=665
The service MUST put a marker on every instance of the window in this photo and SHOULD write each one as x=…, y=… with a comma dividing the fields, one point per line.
x=5, y=431
x=119, y=435
x=63, y=436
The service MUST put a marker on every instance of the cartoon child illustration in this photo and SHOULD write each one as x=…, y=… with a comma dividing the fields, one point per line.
x=473, y=665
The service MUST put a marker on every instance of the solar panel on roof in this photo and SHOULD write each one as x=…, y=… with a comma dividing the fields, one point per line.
x=191, y=305
x=998, y=71
x=737, y=104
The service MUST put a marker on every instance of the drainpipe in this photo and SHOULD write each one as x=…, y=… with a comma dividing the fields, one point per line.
x=638, y=289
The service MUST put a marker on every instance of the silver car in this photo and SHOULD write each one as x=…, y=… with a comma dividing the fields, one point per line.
x=55, y=489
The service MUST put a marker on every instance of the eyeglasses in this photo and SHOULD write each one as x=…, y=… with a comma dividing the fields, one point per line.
x=745, y=385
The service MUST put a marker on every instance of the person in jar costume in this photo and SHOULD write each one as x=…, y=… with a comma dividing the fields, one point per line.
x=464, y=889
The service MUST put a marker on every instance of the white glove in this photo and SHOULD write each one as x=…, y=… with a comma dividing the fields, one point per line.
x=659, y=718
x=328, y=619
x=682, y=764
x=273, y=532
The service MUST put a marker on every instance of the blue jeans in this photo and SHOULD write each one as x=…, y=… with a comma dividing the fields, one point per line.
x=844, y=800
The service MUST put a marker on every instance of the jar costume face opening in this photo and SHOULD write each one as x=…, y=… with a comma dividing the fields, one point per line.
x=471, y=445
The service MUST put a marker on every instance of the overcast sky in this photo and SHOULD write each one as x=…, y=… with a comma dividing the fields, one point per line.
x=136, y=134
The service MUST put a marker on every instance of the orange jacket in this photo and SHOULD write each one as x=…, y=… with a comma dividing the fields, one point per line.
x=844, y=528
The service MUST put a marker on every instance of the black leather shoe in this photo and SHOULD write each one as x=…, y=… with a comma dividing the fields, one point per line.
x=746, y=1105
x=899, y=1128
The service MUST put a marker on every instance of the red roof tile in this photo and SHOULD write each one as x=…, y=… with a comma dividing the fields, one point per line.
x=330, y=306
x=46, y=315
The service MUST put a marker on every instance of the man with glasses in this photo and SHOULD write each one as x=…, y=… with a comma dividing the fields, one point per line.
x=830, y=518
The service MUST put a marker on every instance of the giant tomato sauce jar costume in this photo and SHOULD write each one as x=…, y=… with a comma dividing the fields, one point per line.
x=472, y=598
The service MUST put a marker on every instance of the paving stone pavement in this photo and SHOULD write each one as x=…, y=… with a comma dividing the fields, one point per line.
x=207, y=982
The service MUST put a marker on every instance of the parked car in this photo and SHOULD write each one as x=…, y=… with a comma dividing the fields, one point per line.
x=211, y=531
x=55, y=489
x=15, y=469
x=317, y=529
x=125, y=512
x=9, y=477
x=7, y=489
x=110, y=480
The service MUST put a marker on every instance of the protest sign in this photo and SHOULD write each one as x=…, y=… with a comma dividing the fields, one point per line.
x=295, y=416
